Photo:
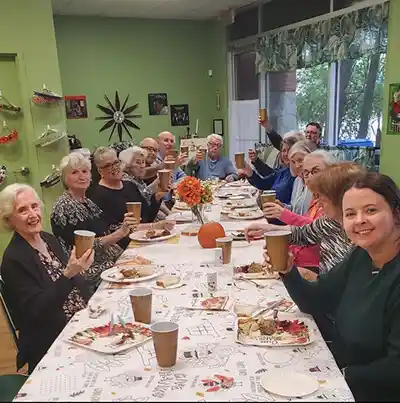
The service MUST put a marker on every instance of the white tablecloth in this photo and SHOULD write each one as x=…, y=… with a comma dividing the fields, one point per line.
x=68, y=372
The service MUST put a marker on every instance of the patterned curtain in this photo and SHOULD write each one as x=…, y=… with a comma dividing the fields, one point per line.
x=348, y=36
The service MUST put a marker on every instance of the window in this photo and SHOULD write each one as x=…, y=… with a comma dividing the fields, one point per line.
x=246, y=76
x=312, y=95
x=360, y=91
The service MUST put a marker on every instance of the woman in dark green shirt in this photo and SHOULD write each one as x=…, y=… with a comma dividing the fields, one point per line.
x=362, y=293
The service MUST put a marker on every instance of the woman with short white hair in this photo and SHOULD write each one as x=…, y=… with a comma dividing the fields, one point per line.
x=74, y=211
x=42, y=286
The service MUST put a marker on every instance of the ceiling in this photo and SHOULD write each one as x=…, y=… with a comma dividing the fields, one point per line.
x=168, y=9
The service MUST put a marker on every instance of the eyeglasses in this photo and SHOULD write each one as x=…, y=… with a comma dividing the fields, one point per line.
x=311, y=132
x=111, y=164
x=215, y=145
x=151, y=149
x=307, y=173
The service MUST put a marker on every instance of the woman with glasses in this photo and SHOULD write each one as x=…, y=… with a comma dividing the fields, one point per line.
x=112, y=193
x=214, y=165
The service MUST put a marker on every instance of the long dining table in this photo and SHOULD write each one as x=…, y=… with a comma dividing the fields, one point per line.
x=207, y=349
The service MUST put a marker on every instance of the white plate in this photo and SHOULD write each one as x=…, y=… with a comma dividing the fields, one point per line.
x=241, y=204
x=172, y=287
x=252, y=215
x=181, y=206
x=181, y=216
x=140, y=236
x=110, y=275
x=289, y=384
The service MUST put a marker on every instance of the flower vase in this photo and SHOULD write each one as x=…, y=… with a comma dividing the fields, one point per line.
x=198, y=214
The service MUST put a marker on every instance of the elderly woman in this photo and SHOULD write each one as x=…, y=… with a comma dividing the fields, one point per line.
x=305, y=256
x=112, y=193
x=363, y=292
x=74, y=211
x=214, y=165
x=42, y=286
x=281, y=180
x=134, y=161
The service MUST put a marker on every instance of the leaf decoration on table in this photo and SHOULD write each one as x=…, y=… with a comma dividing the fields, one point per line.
x=119, y=117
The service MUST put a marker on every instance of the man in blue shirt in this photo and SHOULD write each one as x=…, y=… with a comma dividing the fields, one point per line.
x=214, y=165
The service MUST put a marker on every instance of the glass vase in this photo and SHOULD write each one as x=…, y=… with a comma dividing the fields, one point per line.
x=198, y=214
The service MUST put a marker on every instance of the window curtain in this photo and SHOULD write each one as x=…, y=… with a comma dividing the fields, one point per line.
x=348, y=36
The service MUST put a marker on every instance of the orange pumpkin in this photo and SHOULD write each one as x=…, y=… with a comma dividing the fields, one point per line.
x=208, y=233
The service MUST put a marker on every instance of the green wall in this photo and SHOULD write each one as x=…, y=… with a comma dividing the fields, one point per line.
x=100, y=55
x=28, y=59
x=390, y=144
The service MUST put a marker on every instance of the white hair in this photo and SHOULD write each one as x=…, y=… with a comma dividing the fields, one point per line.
x=127, y=155
x=73, y=161
x=214, y=136
x=299, y=147
x=294, y=133
x=100, y=153
x=326, y=156
x=7, y=201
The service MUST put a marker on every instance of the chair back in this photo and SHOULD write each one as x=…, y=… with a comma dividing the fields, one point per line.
x=10, y=323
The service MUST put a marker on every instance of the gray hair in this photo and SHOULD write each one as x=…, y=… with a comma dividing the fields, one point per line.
x=7, y=201
x=215, y=137
x=299, y=147
x=294, y=133
x=100, y=153
x=327, y=156
x=73, y=161
x=127, y=155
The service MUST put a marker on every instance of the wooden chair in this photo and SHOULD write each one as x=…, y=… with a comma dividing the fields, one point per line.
x=10, y=323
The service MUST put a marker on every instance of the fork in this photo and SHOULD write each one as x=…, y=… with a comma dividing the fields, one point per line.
x=252, y=282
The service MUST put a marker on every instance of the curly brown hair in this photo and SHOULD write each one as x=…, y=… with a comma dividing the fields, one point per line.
x=333, y=181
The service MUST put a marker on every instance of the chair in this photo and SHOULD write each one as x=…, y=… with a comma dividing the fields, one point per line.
x=10, y=323
x=10, y=385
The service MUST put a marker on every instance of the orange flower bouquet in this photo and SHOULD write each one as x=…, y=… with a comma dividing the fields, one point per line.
x=195, y=194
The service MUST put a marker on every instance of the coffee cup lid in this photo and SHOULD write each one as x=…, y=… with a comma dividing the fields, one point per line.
x=82, y=232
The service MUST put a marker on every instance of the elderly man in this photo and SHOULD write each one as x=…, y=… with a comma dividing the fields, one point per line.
x=151, y=146
x=214, y=165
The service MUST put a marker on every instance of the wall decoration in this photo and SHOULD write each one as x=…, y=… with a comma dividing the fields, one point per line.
x=218, y=126
x=76, y=107
x=180, y=115
x=118, y=117
x=46, y=96
x=7, y=106
x=3, y=173
x=158, y=104
x=49, y=136
x=52, y=179
x=393, y=126
x=7, y=135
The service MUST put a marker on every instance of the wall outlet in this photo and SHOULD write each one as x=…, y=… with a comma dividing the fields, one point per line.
x=210, y=72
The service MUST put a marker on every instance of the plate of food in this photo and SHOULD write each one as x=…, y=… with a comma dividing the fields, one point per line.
x=238, y=183
x=152, y=235
x=239, y=204
x=111, y=339
x=168, y=283
x=134, y=274
x=246, y=215
x=209, y=303
x=270, y=332
x=136, y=260
x=254, y=271
x=180, y=205
x=238, y=235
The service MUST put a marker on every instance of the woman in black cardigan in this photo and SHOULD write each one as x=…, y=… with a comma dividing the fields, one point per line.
x=112, y=193
x=42, y=288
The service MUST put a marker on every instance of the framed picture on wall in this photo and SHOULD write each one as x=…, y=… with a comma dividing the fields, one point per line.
x=218, y=126
x=180, y=115
x=76, y=107
x=158, y=104
x=393, y=126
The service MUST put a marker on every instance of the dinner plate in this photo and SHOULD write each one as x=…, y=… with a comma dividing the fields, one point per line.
x=181, y=206
x=252, y=215
x=111, y=275
x=181, y=216
x=289, y=383
x=140, y=236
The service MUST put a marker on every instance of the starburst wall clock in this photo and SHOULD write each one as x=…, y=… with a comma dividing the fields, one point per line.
x=118, y=117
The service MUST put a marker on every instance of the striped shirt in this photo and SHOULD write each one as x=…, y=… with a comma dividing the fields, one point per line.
x=330, y=235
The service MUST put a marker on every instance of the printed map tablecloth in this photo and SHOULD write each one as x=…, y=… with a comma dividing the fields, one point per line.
x=206, y=346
